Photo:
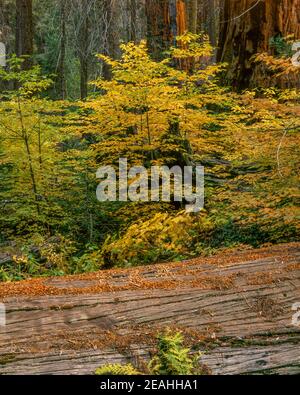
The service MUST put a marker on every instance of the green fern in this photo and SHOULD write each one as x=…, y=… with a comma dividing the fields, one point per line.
x=117, y=370
x=282, y=47
x=172, y=358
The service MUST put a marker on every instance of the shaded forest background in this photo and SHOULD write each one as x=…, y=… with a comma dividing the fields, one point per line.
x=224, y=95
x=64, y=36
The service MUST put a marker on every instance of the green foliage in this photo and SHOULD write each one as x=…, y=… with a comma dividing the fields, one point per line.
x=149, y=109
x=90, y=261
x=282, y=46
x=40, y=258
x=171, y=112
x=164, y=237
x=117, y=370
x=47, y=171
x=171, y=358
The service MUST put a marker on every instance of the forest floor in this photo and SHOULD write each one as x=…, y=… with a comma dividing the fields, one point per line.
x=238, y=308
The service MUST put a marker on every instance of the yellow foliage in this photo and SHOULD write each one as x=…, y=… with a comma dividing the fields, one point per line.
x=162, y=237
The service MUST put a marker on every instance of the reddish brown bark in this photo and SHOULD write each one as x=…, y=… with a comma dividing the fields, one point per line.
x=246, y=29
x=166, y=19
x=181, y=17
x=158, y=25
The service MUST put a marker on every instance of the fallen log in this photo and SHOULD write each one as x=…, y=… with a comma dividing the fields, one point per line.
x=239, y=308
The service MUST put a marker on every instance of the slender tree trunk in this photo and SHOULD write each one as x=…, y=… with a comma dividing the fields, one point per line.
x=110, y=33
x=4, y=33
x=62, y=55
x=6, y=26
x=29, y=157
x=133, y=20
x=24, y=30
x=40, y=145
x=246, y=29
x=107, y=5
x=83, y=77
x=211, y=16
x=192, y=9
x=83, y=52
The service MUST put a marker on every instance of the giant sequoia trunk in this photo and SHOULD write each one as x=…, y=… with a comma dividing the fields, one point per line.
x=166, y=19
x=246, y=29
x=24, y=30
x=158, y=26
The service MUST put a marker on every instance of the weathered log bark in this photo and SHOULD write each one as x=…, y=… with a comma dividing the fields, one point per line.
x=246, y=29
x=238, y=308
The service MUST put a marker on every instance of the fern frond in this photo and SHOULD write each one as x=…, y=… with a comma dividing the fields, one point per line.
x=117, y=370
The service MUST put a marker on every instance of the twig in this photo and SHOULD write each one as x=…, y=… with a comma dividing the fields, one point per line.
x=280, y=145
x=244, y=13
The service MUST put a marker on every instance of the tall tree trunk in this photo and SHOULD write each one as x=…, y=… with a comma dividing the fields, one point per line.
x=6, y=27
x=62, y=55
x=84, y=52
x=24, y=30
x=211, y=18
x=166, y=19
x=5, y=30
x=208, y=22
x=132, y=4
x=25, y=138
x=110, y=33
x=158, y=26
x=192, y=7
x=181, y=17
x=246, y=29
